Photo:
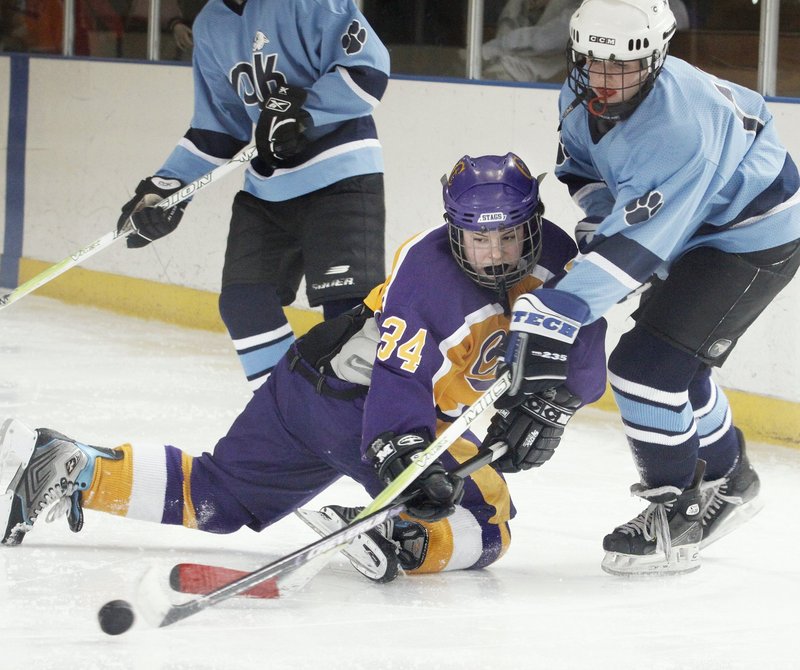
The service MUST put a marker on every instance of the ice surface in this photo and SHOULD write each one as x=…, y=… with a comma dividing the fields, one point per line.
x=108, y=379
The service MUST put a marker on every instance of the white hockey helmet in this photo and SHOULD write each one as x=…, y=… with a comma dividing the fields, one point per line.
x=619, y=30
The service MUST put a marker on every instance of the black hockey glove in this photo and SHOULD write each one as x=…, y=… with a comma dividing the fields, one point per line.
x=280, y=127
x=439, y=492
x=149, y=222
x=532, y=430
x=544, y=325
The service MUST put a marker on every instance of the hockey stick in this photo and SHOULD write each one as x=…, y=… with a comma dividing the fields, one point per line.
x=272, y=575
x=201, y=578
x=164, y=613
x=48, y=275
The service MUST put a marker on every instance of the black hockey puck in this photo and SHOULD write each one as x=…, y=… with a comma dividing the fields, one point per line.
x=116, y=617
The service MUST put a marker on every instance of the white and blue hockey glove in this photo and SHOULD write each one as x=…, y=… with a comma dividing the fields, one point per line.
x=281, y=126
x=149, y=222
x=544, y=325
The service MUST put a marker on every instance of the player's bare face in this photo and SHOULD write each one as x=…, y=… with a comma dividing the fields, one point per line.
x=616, y=81
x=489, y=252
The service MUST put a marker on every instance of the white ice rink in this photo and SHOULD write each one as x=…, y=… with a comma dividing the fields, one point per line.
x=107, y=379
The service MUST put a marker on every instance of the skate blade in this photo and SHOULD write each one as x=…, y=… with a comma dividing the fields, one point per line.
x=736, y=518
x=683, y=560
x=17, y=443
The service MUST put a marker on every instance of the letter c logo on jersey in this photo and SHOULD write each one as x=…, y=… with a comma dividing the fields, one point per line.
x=482, y=373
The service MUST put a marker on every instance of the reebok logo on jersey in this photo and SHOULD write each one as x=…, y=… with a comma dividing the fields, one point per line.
x=643, y=208
x=260, y=41
x=354, y=38
x=337, y=269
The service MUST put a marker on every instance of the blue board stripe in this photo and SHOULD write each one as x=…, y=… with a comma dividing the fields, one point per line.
x=15, y=171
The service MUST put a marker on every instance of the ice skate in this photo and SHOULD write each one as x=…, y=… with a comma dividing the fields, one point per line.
x=664, y=538
x=732, y=500
x=379, y=553
x=41, y=469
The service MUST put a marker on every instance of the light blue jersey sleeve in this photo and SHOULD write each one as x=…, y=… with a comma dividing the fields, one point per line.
x=354, y=65
x=698, y=163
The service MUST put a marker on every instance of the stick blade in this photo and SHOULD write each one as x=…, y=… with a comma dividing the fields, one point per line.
x=202, y=579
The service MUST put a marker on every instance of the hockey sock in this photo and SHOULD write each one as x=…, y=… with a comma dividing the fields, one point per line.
x=461, y=542
x=258, y=327
x=150, y=485
x=650, y=379
x=719, y=445
x=110, y=490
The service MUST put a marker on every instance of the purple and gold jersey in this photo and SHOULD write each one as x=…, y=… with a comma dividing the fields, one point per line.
x=441, y=336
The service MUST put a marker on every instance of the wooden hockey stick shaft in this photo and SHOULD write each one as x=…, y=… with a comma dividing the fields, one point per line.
x=322, y=551
x=78, y=257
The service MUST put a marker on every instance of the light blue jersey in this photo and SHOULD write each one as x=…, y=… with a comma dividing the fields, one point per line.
x=244, y=52
x=698, y=163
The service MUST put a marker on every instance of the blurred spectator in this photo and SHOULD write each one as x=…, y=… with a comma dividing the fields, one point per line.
x=44, y=26
x=37, y=26
x=530, y=42
x=12, y=25
x=179, y=25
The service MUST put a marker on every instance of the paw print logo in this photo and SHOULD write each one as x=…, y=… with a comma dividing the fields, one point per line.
x=644, y=208
x=354, y=39
x=563, y=155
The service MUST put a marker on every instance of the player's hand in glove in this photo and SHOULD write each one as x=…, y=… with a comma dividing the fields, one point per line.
x=532, y=429
x=439, y=492
x=544, y=325
x=149, y=222
x=281, y=126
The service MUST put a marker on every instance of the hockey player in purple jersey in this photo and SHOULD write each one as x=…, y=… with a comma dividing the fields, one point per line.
x=360, y=395
x=306, y=74
x=685, y=186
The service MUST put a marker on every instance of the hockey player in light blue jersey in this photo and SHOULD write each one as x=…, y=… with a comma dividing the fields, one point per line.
x=306, y=74
x=685, y=185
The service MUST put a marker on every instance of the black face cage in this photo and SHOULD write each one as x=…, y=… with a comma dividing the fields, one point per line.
x=500, y=278
x=578, y=78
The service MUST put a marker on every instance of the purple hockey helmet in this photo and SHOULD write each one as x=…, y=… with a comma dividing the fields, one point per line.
x=494, y=193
